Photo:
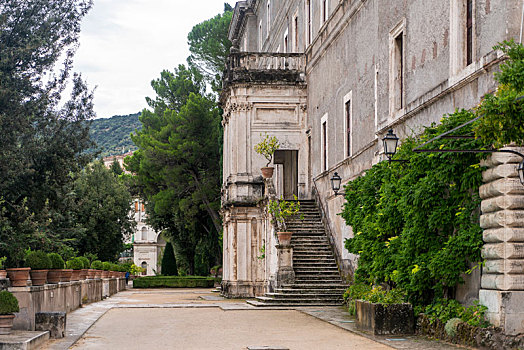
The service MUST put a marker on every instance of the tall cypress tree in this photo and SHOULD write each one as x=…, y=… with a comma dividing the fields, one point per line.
x=169, y=262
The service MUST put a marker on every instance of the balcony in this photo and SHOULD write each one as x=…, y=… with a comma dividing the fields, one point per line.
x=267, y=68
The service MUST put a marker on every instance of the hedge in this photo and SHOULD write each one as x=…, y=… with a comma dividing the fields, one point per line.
x=174, y=282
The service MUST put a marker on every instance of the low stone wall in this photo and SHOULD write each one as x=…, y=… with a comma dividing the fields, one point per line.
x=483, y=338
x=64, y=297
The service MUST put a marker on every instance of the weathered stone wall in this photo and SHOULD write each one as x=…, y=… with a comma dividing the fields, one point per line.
x=503, y=223
x=64, y=297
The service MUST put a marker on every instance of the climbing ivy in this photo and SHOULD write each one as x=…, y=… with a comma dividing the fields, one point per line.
x=416, y=223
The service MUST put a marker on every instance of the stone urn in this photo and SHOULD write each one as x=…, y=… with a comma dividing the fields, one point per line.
x=284, y=238
x=39, y=277
x=267, y=172
x=19, y=277
x=53, y=276
x=65, y=276
x=6, y=323
x=75, y=275
x=3, y=274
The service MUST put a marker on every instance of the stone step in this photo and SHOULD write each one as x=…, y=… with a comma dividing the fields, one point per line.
x=301, y=301
x=314, y=264
x=306, y=286
x=327, y=295
x=259, y=303
x=304, y=291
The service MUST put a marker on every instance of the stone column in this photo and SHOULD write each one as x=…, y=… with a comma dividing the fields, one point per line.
x=502, y=283
x=285, y=274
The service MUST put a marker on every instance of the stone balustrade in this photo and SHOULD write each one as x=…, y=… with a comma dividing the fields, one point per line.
x=61, y=297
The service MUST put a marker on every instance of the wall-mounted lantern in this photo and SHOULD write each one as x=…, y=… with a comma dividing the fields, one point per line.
x=336, y=180
x=390, y=142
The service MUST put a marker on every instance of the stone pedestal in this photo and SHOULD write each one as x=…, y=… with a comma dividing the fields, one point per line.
x=502, y=283
x=285, y=273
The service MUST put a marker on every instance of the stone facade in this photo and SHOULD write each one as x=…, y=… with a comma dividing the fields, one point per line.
x=349, y=70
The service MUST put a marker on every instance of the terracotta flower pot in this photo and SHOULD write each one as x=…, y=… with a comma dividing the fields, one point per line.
x=267, y=172
x=19, y=277
x=91, y=274
x=39, y=277
x=3, y=274
x=6, y=323
x=65, y=276
x=284, y=238
x=53, y=276
x=115, y=274
x=98, y=274
x=83, y=274
x=75, y=275
x=105, y=274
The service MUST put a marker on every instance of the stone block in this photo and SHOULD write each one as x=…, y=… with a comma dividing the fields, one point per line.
x=492, y=281
x=503, y=218
x=493, y=251
x=385, y=319
x=501, y=171
x=501, y=187
x=494, y=266
x=504, y=234
x=502, y=202
x=504, y=309
x=54, y=322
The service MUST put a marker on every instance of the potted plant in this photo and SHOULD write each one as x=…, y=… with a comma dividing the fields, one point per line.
x=8, y=306
x=75, y=264
x=106, y=269
x=280, y=210
x=3, y=273
x=85, y=269
x=97, y=266
x=18, y=276
x=57, y=266
x=267, y=148
x=40, y=264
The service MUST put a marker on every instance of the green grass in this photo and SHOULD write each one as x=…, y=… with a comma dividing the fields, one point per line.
x=174, y=282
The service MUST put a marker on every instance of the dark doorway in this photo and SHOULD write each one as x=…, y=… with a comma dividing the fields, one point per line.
x=289, y=161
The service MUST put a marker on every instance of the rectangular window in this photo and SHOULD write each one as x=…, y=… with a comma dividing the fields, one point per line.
x=286, y=42
x=324, y=143
x=469, y=32
x=348, y=128
x=268, y=18
x=260, y=36
x=399, y=71
x=136, y=205
x=308, y=20
x=324, y=11
x=295, y=33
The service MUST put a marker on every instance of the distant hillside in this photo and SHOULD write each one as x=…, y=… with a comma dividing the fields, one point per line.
x=112, y=134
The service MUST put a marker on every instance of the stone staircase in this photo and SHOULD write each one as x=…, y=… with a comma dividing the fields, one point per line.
x=317, y=279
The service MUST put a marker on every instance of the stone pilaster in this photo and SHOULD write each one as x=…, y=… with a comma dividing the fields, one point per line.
x=285, y=274
x=502, y=283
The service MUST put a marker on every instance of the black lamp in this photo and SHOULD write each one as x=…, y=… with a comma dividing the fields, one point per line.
x=335, y=183
x=390, y=144
x=520, y=170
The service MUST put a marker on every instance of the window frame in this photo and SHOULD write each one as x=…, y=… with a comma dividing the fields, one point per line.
x=324, y=143
x=348, y=125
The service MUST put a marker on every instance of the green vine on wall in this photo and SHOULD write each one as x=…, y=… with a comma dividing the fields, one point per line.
x=416, y=225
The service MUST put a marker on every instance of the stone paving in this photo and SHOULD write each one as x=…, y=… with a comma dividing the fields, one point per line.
x=201, y=319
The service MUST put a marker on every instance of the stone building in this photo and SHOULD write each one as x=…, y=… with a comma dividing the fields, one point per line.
x=148, y=244
x=329, y=78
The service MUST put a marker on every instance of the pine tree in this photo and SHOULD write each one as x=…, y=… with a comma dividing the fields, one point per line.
x=169, y=262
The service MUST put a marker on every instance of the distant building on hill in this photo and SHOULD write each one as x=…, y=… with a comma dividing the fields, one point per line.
x=148, y=244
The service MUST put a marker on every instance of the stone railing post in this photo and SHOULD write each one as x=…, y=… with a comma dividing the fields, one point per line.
x=502, y=282
x=285, y=274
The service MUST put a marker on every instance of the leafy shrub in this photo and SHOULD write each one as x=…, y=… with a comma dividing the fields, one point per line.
x=377, y=295
x=267, y=147
x=56, y=261
x=106, y=266
x=37, y=260
x=97, y=265
x=2, y=262
x=451, y=326
x=173, y=282
x=85, y=261
x=169, y=267
x=8, y=303
x=447, y=309
x=75, y=264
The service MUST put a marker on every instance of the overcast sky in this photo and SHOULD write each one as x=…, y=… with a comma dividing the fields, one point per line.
x=124, y=44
